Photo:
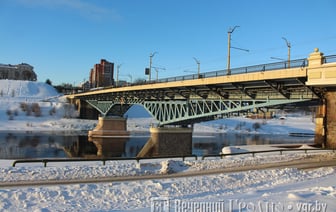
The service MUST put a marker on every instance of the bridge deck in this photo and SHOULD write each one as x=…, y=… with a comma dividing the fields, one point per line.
x=250, y=82
x=215, y=93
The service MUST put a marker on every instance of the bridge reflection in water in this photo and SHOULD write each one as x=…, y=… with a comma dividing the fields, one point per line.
x=41, y=145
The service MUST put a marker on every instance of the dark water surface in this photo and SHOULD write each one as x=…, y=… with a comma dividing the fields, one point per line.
x=21, y=145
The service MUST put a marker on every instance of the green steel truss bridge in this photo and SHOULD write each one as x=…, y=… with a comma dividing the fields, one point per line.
x=189, y=99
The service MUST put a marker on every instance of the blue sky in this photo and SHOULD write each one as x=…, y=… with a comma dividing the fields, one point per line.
x=63, y=39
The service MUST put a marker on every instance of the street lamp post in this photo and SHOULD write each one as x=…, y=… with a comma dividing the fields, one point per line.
x=150, y=65
x=229, y=48
x=117, y=81
x=157, y=72
x=288, y=47
x=130, y=76
x=198, y=67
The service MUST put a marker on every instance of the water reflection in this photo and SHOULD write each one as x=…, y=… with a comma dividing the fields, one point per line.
x=80, y=148
x=23, y=145
x=110, y=147
x=40, y=145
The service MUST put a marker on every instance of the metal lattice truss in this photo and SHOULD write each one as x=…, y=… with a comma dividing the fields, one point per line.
x=114, y=107
x=193, y=111
x=184, y=112
x=102, y=106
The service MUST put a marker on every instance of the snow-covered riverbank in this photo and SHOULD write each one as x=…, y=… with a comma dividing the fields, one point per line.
x=287, y=188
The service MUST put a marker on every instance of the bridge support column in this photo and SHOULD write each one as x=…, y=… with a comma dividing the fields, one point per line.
x=330, y=119
x=325, y=131
x=320, y=125
x=85, y=110
x=166, y=141
x=110, y=126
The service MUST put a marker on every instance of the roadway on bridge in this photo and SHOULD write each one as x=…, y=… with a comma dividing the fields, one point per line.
x=309, y=162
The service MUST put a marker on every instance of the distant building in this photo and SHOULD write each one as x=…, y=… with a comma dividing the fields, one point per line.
x=85, y=85
x=21, y=71
x=101, y=75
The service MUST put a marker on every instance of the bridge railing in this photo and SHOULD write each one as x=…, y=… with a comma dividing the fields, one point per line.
x=330, y=59
x=241, y=70
x=248, y=69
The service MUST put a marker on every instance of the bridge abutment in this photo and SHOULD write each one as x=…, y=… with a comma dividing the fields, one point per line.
x=325, y=130
x=330, y=122
x=323, y=75
x=320, y=126
x=168, y=141
x=85, y=110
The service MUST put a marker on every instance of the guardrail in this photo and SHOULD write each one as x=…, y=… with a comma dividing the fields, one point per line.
x=52, y=160
x=330, y=59
x=247, y=69
x=240, y=70
x=253, y=153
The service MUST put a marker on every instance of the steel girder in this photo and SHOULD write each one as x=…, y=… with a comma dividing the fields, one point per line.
x=115, y=107
x=102, y=106
x=193, y=111
x=185, y=112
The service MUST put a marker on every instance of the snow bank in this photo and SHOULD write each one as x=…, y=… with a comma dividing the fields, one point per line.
x=232, y=149
x=288, y=186
x=172, y=166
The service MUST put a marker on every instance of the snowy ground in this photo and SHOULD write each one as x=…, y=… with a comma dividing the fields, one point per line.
x=285, y=189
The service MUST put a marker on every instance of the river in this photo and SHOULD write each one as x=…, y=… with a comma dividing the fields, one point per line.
x=22, y=145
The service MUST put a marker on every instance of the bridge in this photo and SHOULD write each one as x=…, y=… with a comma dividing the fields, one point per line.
x=185, y=100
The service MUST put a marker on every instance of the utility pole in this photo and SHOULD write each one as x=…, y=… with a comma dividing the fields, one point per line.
x=117, y=81
x=229, y=48
x=130, y=76
x=157, y=72
x=150, y=65
x=198, y=67
x=288, y=53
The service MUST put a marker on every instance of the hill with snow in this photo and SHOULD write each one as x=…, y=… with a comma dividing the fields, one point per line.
x=28, y=105
x=26, y=90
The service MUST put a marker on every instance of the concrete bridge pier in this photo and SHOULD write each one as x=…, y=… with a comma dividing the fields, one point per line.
x=110, y=126
x=168, y=141
x=331, y=119
x=320, y=126
x=323, y=75
x=325, y=131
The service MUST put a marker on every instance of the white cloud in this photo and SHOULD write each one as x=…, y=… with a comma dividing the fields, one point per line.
x=81, y=7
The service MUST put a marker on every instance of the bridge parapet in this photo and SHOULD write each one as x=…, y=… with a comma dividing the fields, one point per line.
x=320, y=74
